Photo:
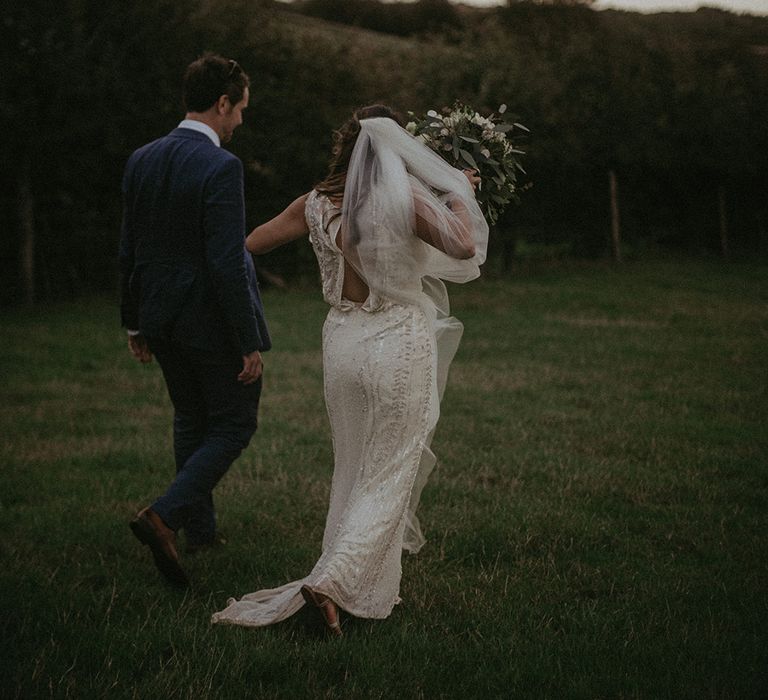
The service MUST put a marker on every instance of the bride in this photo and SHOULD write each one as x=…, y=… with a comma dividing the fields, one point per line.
x=388, y=223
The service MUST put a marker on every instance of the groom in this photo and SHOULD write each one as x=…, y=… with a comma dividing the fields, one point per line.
x=190, y=298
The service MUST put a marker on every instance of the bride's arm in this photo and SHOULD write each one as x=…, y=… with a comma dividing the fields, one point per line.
x=460, y=244
x=287, y=226
x=451, y=233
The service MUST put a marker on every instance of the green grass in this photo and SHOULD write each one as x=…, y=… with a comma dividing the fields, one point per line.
x=596, y=526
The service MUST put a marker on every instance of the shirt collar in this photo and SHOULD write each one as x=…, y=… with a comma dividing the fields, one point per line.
x=202, y=128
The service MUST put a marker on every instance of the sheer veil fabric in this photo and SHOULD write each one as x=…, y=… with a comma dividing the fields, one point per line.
x=403, y=330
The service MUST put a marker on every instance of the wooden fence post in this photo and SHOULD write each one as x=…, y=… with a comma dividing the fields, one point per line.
x=615, y=220
x=27, y=225
x=721, y=205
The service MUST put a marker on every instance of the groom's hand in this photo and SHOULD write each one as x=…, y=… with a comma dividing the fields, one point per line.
x=137, y=344
x=252, y=368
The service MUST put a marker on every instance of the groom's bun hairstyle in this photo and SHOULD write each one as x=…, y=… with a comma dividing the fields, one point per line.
x=210, y=77
x=344, y=140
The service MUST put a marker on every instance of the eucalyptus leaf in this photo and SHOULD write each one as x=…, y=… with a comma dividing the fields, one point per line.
x=467, y=156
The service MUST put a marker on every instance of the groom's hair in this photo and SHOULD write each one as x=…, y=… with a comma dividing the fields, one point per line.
x=210, y=77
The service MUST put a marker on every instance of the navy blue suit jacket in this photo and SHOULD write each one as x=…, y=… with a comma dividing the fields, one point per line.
x=186, y=275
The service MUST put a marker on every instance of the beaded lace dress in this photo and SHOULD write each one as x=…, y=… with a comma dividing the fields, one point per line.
x=385, y=363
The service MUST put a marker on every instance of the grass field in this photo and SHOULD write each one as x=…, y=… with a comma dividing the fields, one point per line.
x=597, y=523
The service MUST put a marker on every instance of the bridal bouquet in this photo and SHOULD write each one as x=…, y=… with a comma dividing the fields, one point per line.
x=468, y=140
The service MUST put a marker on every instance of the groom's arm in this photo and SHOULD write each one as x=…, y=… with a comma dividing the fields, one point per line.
x=224, y=226
x=129, y=308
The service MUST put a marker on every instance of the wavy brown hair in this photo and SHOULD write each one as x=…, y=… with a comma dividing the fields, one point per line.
x=344, y=140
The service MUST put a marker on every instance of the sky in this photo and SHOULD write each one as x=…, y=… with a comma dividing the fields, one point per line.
x=755, y=7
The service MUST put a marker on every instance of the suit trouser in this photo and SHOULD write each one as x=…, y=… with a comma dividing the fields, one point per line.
x=214, y=419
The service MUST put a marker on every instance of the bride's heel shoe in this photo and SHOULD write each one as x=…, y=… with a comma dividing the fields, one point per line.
x=327, y=608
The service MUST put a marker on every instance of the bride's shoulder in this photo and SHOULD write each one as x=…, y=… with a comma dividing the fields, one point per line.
x=310, y=200
x=325, y=199
x=321, y=203
x=314, y=198
x=312, y=205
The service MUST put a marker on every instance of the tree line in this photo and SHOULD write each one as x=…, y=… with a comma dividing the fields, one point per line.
x=647, y=131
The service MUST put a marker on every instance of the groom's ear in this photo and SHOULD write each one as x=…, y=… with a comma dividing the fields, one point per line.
x=223, y=104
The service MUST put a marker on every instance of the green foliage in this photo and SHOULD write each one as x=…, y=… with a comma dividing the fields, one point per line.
x=675, y=104
x=596, y=523
x=402, y=18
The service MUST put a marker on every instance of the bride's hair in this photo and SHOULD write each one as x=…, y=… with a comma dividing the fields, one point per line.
x=344, y=140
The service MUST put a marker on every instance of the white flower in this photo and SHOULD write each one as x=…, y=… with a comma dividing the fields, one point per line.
x=431, y=113
x=411, y=127
x=482, y=121
x=493, y=135
x=502, y=109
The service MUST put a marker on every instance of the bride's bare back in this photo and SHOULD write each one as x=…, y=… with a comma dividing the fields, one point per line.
x=354, y=287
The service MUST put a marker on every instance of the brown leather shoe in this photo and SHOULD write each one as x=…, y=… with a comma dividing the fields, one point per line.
x=153, y=532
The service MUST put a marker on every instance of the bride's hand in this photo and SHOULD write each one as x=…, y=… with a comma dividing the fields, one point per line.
x=473, y=177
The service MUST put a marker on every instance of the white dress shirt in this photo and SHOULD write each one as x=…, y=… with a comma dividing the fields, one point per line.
x=202, y=128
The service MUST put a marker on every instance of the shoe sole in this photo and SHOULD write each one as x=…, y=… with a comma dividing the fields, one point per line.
x=165, y=565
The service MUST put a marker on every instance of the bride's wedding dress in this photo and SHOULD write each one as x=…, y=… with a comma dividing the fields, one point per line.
x=385, y=363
